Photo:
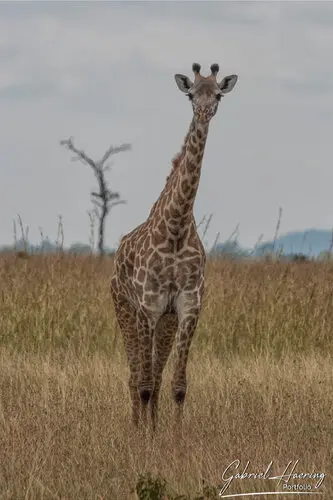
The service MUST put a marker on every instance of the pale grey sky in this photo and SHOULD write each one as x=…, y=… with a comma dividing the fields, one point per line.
x=104, y=74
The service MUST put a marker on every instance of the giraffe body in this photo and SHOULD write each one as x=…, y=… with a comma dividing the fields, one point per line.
x=158, y=280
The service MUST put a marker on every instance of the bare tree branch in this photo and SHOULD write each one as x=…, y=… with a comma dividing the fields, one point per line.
x=104, y=199
x=234, y=234
x=97, y=204
x=111, y=195
x=120, y=202
x=207, y=226
x=112, y=151
x=96, y=195
x=217, y=237
x=107, y=168
x=259, y=240
x=201, y=222
x=81, y=155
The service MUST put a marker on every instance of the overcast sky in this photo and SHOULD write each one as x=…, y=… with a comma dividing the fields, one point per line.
x=104, y=74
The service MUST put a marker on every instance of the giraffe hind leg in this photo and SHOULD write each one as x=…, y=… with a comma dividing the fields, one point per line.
x=126, y=317
x=163, y=340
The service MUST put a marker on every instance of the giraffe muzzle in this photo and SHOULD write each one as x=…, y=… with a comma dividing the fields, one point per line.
x=201, y=116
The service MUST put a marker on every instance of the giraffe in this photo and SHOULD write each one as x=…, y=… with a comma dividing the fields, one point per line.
x=158, y=281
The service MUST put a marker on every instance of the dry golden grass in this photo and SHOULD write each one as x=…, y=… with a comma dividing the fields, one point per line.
x=260, y=382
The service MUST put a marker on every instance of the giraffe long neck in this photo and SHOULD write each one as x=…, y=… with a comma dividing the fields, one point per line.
x=175, y=204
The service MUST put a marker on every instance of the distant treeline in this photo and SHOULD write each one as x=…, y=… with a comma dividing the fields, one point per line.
x=228, y=249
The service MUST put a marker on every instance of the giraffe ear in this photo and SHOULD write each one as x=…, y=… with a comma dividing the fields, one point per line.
x=228, y=83
x=183, y=82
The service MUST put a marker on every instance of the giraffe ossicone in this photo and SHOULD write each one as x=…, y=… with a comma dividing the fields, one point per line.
x=158, y=281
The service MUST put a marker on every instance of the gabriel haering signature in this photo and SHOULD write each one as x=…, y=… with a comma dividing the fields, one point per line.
x=314, y=479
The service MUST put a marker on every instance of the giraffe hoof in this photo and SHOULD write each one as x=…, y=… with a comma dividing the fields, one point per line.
x=145, y=395
x=180, y=397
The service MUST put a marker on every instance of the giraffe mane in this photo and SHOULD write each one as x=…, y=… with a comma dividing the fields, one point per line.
x=178, y=158
x=176, y=161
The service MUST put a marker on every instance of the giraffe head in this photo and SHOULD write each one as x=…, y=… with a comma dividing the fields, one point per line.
x=205, y=93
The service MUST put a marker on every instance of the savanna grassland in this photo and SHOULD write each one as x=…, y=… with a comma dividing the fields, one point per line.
x=260, y=380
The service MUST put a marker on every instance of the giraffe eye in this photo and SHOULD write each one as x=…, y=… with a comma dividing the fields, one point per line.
x=190, y=96
x=218, y=96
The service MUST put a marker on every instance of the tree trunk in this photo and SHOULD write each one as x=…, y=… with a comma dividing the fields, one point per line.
x=102, y=218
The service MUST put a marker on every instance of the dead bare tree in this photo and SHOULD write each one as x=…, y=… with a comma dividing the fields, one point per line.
x=105, y=199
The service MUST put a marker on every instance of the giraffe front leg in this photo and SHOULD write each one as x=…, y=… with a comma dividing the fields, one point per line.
x=184, y=337
x=188, y=306
x=145, y=323
x=164, y=336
